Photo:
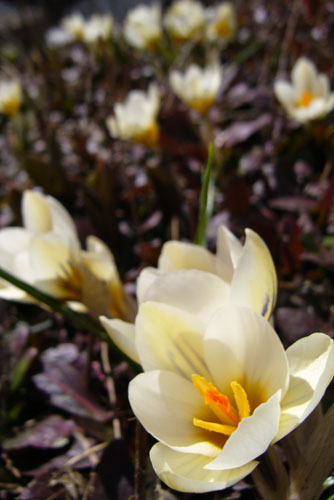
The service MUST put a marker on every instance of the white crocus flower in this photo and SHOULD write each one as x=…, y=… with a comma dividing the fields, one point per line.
x=46, y=253
x=216, y=396
x=136, y=118
x=308, y=97
x=142, y=27
x=98, y=27
x=184, y=20
x=221, y=23
x=10, y=96
x=197, y=87
x=191, y=278
x=75, y=26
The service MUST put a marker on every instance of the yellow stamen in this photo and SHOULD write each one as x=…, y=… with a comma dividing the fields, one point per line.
x=212, y=426
x=221, y=407
x=305, y=98
x=241, y=400
x=218, y=402
x=222, y=29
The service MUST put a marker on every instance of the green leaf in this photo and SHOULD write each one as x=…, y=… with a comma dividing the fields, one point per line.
x=206, y=199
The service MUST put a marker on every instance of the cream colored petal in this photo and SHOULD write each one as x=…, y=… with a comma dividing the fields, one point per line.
x=249, y=350
x=254, y=283
x=251, y=438
x=165, y=403
x=179, y=255
x=145, y=279
x=311, y=364
x=100, y=260
x=186, y=472
x=62, y=222
x=318, y=108
x=196, y=292
x=13, y=240
x=285, y=93
x=50, y=256
x=304, y=75
x=168, y=338
x=229, y=251
x=123, y=335
x=36, y=212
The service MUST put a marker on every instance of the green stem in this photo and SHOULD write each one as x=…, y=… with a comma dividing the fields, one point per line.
x=205, y=206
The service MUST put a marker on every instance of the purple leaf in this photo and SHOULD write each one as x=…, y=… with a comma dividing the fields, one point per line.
x=52, y=432
x=241, y=131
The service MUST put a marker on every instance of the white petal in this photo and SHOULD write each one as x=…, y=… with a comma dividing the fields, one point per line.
x=145, y=279
x=229, y=250
x=62, y=222
x=311, y=364
x=179, y=255
x=165, y=403
x=252, y=436
x=50, y=256
x=304, y=75
x=186, y=472
x=36, y=212
x=254, y=283
x=13, y=240
x=196, y=292
x=285, y=93
x=249, y=350
x=168, y=338
x=123, y=335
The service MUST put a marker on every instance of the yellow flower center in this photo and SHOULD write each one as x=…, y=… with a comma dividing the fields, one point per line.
x=223, y=29
x=202, y=106
x=148, y=137
x=11, y=106
x=305, y=99
x=71, y=282
x=228, y=415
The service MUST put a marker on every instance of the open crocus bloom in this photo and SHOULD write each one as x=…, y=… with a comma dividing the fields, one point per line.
x=309, y=96
x=142, y=28
x=136, y=118
x=184, y=20
x=216, y=397
x=46, y=253
x=221, y=22
x=98, y=27
x=197, y=87
x=10, y=96
x=75, y=26
x=192, y=279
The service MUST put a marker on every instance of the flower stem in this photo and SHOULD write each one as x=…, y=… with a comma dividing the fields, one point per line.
x=270, y=477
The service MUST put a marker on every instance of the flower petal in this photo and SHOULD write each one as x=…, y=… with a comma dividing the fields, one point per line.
x=229, y=250
x=50, y=256
x=123, y=335
x=186, y=472
x=145, y=279
x=251, y=438
x=254, y=283
x=304, y=75
x=311, y=364
x=193, y=291
x=36, y=212
x=245, y=344
x=179, y=255
x=285, y=93
x=168, y=338
x=165, y=403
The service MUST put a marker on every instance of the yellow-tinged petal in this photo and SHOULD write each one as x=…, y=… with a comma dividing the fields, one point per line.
x=178, y=255
x=123, y=335
x=186, y=472
x=311, y=364
x=165, y=403
x=180, y=345
x=36, y=212
x=254, y=282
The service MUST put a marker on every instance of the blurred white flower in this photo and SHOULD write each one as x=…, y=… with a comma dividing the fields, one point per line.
x=142, y=27
x=58, y=37
x=197, y=87
x=46, y=253
x=136, y=118
x=10, y=96
x=192, y=279
x=184, y=20
x=74, y=25
x=97, y=27
x=309, y=96
x=221, y=22
x=217, y=395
